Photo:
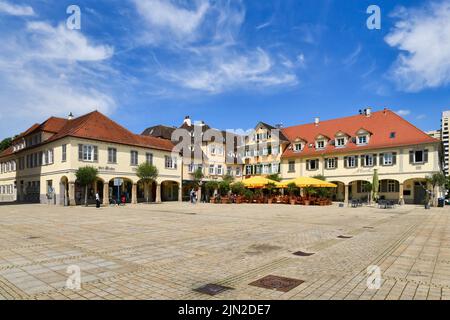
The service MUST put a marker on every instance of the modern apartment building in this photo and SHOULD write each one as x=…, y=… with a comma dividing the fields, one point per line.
x=40, y=165
x=445, y=139
x=348, y=150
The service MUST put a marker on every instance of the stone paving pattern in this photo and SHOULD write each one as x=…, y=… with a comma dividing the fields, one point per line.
x=164, y=251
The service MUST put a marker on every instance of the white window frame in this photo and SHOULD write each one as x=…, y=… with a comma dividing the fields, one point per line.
x=423, y=156
x=353, y=160
x=331, y=163
x=211, y=169
x=388, y=159
x=112, y=155
x=134, y=158
x=320, y=142
x=170, y=162
x=298, y=147
x=362, y=136
x=367, y=163
x=88, y=153
x=344, y=141
x=219, y=170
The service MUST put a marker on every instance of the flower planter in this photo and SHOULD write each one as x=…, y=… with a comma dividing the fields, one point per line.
x=293, y=201
x=307, y=202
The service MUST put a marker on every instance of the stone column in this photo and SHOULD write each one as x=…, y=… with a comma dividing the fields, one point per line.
x=180, y=194
x=106, y=194
x=134, y=193
x=72, y=194
x=158, y=193
x=400, y=192
x=346, y=192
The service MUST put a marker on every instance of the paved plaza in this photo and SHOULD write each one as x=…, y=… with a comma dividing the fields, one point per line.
x=166, y=251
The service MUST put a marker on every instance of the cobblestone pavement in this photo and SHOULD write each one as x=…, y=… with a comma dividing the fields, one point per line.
x=165, y=251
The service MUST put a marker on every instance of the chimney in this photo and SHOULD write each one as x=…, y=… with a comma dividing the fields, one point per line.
x=279, y=126
x=368, y=112
x=70, y=117
x=187, y=120
x=316, y=121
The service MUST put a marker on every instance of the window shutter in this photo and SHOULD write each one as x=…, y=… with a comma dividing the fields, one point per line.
x=80, y=152
x=337, y=162
x=345, y=162
x=411, y=156
x=307, y=165
x=381, y=159
x=374, y=159
x=394, y=158
x=425, y=155
x=95, y=153
x=356, y=161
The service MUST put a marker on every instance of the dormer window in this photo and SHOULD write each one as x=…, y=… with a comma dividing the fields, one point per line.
x=340, y=142
x=320, y=144
x=362, y=140
x=298, y=147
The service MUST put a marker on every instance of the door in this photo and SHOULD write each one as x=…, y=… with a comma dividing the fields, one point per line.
x=419, y=194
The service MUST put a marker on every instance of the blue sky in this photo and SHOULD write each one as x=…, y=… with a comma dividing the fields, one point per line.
x=229, y=63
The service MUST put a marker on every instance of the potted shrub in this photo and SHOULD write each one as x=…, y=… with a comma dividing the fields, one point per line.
x=292, y=189
x=270, y=187
x=224, y=189
x=210, y=187
x=248, y=194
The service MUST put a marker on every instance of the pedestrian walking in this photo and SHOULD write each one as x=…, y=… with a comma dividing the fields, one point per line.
x=97, y=200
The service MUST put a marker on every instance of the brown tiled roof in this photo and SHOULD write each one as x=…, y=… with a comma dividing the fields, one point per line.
x=381, y=124
x=159, y=131
x=94, y=126
x=97, y=126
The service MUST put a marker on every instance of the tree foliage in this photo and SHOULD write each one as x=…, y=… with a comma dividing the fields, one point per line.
x=147, y=173
x=86, y=176
x=5, y=144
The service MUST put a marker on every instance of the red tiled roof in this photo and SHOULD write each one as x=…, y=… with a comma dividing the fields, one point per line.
x=94, y=126
x=381, y=124
x=97, y=126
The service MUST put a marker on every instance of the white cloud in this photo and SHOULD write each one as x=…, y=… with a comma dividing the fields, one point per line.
x=165, y=14
x=207, y=54
x=15, y=10
x=352, y=58
x=61, y=43
x=423, y=36
x=252, y=69
x=40, y=78
x=403, y=113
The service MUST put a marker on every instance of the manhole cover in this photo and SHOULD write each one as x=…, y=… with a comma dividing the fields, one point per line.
x=345, y=237
x=277, y=283
x=302, y=254
x=212, y=289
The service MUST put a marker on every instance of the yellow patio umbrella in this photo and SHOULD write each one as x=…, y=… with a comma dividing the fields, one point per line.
x=257, y=182
x=303, y=182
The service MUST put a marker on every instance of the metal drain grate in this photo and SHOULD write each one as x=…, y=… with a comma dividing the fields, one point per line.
x=277, y=283
x=212, y=289
x=345, y=237
x=302, y=254
x=32, y=237
x=368, y=227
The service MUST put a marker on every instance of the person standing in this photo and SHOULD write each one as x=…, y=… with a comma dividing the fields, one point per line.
x=97, y=200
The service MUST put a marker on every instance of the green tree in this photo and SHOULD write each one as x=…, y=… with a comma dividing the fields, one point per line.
x=210, y=186
x=224, y=188
x=238, y=188
x=436, y=180
x=228, y=178
x=274, y=177
x=292, y=188
x=5, y=144
x=86, y=176
x=147, y=173
x=271, y=187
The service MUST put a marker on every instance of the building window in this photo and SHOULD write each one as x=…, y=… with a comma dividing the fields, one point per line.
x=87, y=153
x=362, y=140
x=391, y=186
x=312, y=164
x=291, y=166
x=363, y=186
x=149, y=158
x=340, y=142
x=351, y=162
x=248, y=170
x=298, y=147
x=238, y=172
x=64, y=153
x=331, y=163
x=275, y=168
x=212, y=150
x=388, y=159
x=320, y=144
x=219, y=170
x=392, y=135
x=170, y=162
x=367, y=160
x=229, y=171
x=419, y=156
x=50, y=156
x=211, y=169
x=134, y=158
x=112, y=155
